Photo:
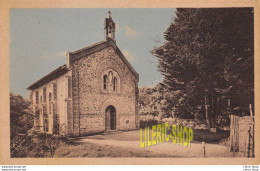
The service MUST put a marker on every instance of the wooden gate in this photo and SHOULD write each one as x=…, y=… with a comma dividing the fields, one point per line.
x=234, y=133
x=251, y=143
x=242, y=135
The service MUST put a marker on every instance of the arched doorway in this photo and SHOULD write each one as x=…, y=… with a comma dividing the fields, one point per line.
x=110, y=118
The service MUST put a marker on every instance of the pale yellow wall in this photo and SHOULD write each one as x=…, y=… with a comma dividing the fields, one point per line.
x=62, y=95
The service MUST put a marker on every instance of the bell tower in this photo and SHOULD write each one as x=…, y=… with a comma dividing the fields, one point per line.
x=110, y=27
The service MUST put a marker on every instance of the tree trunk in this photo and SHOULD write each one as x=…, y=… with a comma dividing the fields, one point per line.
x=207, y=112
x=213, y=113
x=210, y=111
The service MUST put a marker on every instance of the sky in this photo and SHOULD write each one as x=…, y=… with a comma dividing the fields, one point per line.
x=40, y=38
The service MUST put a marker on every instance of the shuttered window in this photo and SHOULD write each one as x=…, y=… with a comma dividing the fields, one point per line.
x=44, y=95
x=37, y=97
x=54, y=91
x=105, y=82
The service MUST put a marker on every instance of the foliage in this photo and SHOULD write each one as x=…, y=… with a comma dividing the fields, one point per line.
x=35, y=145
x=208, y=58
x=26, y=142
x=21, y=117
x=154, y=101
x=148, y=123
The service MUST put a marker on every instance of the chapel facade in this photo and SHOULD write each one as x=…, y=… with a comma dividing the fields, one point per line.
x=95, y=91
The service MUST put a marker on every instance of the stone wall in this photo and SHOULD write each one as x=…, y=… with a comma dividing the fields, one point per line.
x=90, y=99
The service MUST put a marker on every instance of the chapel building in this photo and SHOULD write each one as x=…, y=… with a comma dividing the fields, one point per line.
x=95, y=91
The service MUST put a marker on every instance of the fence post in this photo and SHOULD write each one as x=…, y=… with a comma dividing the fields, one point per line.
x=231, y=134
x=253, y=142
x=249, y=131
x=245, y=148
x=204, y=148
x=250, y=109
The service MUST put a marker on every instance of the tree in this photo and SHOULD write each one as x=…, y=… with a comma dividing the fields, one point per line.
x=21, y=117
x=208, y=54
x=21, y=120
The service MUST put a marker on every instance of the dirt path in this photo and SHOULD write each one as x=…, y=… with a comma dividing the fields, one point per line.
x=196, y=149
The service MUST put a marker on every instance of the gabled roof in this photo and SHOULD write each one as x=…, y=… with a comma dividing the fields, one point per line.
x=78, y=54
x=49, y=77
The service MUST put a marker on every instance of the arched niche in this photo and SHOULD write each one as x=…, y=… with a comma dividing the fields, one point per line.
x=109, y=68
x=103, y=109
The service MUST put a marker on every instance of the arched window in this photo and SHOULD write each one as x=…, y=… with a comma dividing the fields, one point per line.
x=105, y=82
x=115, y=84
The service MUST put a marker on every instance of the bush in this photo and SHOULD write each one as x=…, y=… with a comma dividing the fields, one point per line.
x=148, y=123
x=223, y=120
x=35, y=145
x=21, y=117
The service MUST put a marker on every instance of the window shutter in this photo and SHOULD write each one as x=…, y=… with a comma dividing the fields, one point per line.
x=37, y=97
x=44, y=95
x=54, y=91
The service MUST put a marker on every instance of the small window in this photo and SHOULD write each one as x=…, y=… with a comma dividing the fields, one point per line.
x=115, y=84
x=37, y=97
x=44, y=95
x=105, y=82
x=54, y=91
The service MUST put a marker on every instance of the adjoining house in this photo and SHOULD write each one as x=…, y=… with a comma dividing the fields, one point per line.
x=96, y=90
